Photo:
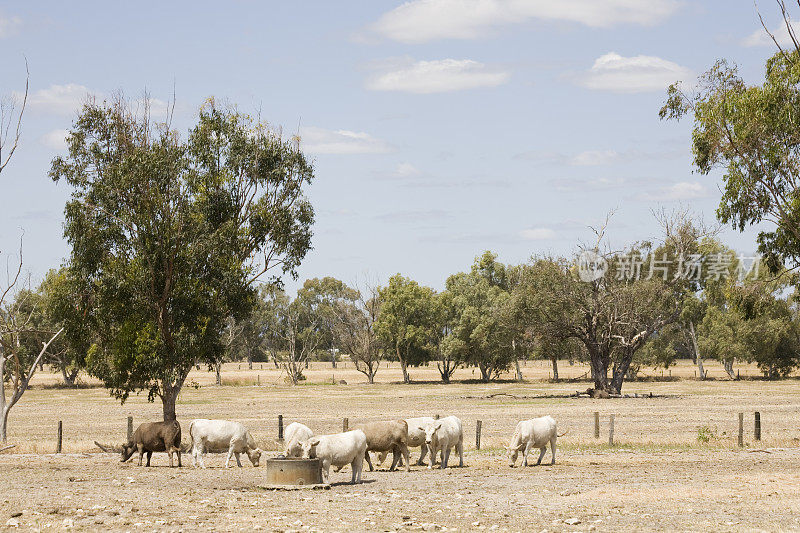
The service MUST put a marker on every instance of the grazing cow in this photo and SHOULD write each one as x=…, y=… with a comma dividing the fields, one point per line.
x=338, y=450
x=530, y=434
x=388, y=436
x=154, y=437
x=442, y=435
x=416, y=437
x=219, y=436
x=295, y=434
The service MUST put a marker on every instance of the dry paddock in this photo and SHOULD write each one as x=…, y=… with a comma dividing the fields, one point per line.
x=658, y=476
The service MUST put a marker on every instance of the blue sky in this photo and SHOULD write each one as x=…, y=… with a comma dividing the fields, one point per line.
x=439, y=128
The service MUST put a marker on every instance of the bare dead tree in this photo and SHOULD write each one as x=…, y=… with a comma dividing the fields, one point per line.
x=355, y=330
x=16, y=370
x=9, y=116
x=787, y=21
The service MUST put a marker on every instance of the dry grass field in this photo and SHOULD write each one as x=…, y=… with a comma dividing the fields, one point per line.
x=675, y=464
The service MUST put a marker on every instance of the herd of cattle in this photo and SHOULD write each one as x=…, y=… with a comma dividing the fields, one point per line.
x=434, y=436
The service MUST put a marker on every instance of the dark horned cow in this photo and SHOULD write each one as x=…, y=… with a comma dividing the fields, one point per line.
x=155, y=437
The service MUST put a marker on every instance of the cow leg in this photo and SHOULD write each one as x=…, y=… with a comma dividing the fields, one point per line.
x=460, y=449
x=238, y=462
x=423, y=450
x=553, y=450
x=141, y=453
x=149, y=455
x=356, y=466
x=404, y=456
x=178, y=453
x=369, y=462
x=229, y=457
x=445, y=457
x=169, y=453
x=194, y=456
x=541, y=454
x=395, y=459
x=326, y=470
x=433, y=456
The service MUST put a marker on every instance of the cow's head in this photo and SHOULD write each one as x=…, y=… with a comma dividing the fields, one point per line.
x=310, y=448
x=512, y=455
x=127, y=451
x=254, y=456
x=382, y=457
x=430, y=431
x=294, y=449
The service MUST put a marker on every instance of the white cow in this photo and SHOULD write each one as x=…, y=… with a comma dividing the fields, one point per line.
x=416, y=437
x=338, y=450
x=530, y=434
x=295, y=434
x=442, y=435
x=219, y=436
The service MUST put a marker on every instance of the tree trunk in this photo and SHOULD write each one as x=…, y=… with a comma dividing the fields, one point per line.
x=4, y=426
x=486, y=373
x=727, y=364
x=599, y=369
x=69, y=378
x=168, y=403
x=554, y=360
x=249, y=360
x=218, y=371
x=406, y=377
x=620, y=371
x=519, y=371
x=698, y=357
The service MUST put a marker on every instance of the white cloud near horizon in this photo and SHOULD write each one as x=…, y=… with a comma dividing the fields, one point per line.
x=59, y=99
x=761, y=38
x=538, y=234
x=420, y=21
x=438, y=76
x=323, y=141
x=594, y=158
x=8, y=25
x=681, y=191
x=56, y=139
x=613, y=72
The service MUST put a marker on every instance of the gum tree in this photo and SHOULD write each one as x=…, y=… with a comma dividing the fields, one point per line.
x=172, y=234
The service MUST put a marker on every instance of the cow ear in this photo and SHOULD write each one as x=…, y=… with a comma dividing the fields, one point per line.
x=313, y=441
x=437, y=424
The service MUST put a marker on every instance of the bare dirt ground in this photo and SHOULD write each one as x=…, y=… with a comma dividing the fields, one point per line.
x=658, y=476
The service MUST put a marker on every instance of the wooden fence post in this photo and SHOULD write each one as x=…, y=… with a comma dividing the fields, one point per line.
x=741, y=429
x=60, y=436
x=478, y=434
x=345, y=424
x=611, y=430
x=597, y=424
x=280, y=427
x=130, y=430
x=259, y=380
x=757, y=429
x=436, y=417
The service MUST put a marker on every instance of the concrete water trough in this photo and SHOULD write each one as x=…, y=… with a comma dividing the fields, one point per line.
x=289, y=473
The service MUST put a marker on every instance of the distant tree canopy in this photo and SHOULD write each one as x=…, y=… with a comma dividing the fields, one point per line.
x=170, y=235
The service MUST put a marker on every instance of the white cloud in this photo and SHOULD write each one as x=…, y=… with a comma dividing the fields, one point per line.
x=56, y=139
x=9, y=25
x=323, y=141
x=444, y=75
x=406, y=170
x=420, y=21
x=593, y=158
x=613, y=72
x=537, y=234
x=59, y=99
x=681, y=191
x=760, y=37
